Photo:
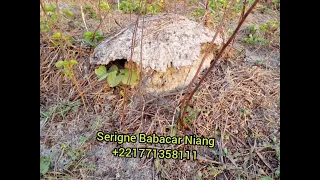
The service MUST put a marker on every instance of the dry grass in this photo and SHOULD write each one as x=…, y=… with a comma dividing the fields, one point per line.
x=238, y=104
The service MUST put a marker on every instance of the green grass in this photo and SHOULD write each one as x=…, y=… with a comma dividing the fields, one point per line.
x=261, y=34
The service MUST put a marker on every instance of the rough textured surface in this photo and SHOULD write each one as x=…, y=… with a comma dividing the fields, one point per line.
x=172, y=46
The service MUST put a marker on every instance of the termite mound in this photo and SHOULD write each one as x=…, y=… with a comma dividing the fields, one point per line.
x=172, y=48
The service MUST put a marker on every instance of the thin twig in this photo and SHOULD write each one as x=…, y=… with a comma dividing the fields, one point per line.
x=83, y=19
x=201, y=158
x=79, y=91
x=130, y=63
x=216, y=59
x=140, y=82
x=183, y=108
x=243, y=9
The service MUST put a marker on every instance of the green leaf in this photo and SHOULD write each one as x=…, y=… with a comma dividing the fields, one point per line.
x=66, y=63
x=104, y=5
x=225, y=151
x=88, y=35
x=59, y=64
x=133, y=79
x=44, y=165
x=103, y=77
x=44, y=114
x=90, y=43
x=266, y=178
x=88, y=38
x=263, y=28
x=73, y=62
x=113, y=68
x=68, y=13
x=99, y=35
x=44, y=27
x=53, y=17
x=49, y=8
x=57, y=35
x=66, y=72
x=113, y=79
x=101, y=72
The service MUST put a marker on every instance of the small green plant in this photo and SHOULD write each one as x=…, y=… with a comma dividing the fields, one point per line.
x=67, y=67
x=191, y=115
x=244, y=112
x=261, y=34
x=44, y=27
x=115, y=75
x=104, y=6
x=270, y=26
x=93, y=15
x=154, y=8
x=75, y=154
x=66, y=106
x=92, y=39
x=50, y=8
x=276, y=4
x=255, y=35
x=216, y=5
x=128, y=6
x=61, y=108
x=68, y=13
x=59, y=39
x=44, y=165
x=254, y=40
x=68, y=71
x=252, y=29
x=88, y=9
x=198, y=13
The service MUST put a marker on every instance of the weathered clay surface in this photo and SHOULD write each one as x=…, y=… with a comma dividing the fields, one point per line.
x=172, y=48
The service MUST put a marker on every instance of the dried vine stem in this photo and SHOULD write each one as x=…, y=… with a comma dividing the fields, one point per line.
x=130, y=63
x=243, y=9
x=200, y=66
x=140, y=75
x=189, y=97
x=130, y=67
x=242, y=14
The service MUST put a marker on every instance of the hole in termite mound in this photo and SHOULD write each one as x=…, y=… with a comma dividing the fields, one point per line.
x=120, y=63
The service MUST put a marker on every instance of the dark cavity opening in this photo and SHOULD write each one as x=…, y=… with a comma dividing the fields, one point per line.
x=120, y=63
